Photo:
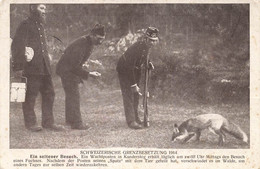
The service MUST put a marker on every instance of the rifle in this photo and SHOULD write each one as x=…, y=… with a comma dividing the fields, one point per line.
x=146, y=93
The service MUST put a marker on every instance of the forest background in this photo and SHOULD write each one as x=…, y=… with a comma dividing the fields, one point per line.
x=203, y=54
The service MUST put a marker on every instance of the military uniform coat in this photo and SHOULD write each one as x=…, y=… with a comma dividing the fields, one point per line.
x=30, y=33
x=130, y=62
x=75, y=55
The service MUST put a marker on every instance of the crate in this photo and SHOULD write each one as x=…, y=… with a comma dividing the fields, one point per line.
x=18, y=91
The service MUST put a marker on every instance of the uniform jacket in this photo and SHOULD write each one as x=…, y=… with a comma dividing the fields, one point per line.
x=130, y=62
x=75, y=55
x=30, y=33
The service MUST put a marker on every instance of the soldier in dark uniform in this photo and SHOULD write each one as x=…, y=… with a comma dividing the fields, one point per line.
x=129, y=74
x=31, y=59
x=70, y=69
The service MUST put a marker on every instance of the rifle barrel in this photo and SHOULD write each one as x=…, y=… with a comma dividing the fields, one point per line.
x=145, y=98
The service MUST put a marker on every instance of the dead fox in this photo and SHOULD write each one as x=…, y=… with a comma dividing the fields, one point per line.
x=216, y=123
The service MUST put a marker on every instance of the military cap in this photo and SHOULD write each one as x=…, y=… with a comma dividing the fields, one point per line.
x=99, y=30
x=152, y=33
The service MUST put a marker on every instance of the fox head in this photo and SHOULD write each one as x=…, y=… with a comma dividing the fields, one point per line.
x=179, y=135
x=176, y=132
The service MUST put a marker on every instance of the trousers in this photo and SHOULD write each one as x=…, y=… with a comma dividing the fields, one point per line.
x=44, y=85
x=130, y=99
x=72, y=101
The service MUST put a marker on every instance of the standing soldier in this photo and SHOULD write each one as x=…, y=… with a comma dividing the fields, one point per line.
x=70, y=69
x=31, y=59
x=129, y=74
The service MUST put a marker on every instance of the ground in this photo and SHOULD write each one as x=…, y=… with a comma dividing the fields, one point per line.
x=102, y=110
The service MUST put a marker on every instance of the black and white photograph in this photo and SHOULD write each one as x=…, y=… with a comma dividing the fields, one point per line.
x=135, y=75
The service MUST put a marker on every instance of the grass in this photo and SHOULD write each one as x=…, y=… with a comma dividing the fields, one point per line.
x=102, y=110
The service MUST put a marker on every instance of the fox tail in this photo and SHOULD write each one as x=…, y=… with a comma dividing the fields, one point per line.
x=235, y=131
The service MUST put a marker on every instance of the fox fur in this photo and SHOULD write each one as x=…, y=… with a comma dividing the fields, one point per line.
x=216, y=123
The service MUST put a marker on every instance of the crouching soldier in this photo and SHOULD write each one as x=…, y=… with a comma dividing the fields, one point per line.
x=129, y=74
x=70, y=69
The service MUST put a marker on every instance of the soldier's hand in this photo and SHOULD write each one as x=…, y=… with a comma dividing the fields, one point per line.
x=136, y=89
x=95, y=74
x=148, y=94
x=150, y=66
x=18, y=74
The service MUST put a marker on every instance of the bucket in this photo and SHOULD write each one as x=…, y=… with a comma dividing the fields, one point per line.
x=18, y=90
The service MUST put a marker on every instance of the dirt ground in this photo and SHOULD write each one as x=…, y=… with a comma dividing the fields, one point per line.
x=102, y=110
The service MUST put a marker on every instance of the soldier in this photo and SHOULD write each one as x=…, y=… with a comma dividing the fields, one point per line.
x=31, y=59
x=129, y=74
x=70, y=69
